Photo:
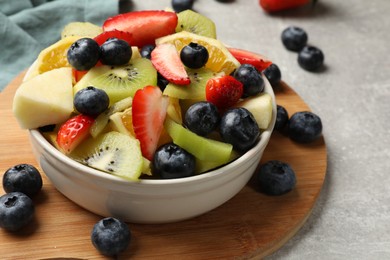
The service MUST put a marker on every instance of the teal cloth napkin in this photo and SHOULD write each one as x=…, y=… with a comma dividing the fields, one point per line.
x=28, y=26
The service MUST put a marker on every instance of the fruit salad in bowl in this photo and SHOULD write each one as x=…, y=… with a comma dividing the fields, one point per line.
x=146, y=115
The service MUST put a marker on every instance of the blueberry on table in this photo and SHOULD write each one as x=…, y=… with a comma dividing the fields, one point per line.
x=16, y=211
x=239, y=128
x=83, y=54
x=311, y=58
x=115, y=52
x=202, y=118
x=294, y=38
x=146, y=51
x=110, y=236
x=251, y=80
x=194, y=55
x=273, y=74
x=23, y=178
x=181, y=5
x=304, y=127
x=276, y=178
x=170, y=161
x=281, y=118
x=91, y=101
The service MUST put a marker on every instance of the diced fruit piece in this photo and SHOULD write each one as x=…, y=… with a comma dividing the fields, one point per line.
x=116, y=124
x=276, y=177
x=247, y=57
x=104, y=36
x=102, y=120
x=73, y=132
x=81, y=29
x=223, y=91
x=45, y=99
x=174, y=110
x=201, y=147
x=166, y=60
x=195, y=90
x=261, y=108
x=112, y=152
x=304, y=127
x=220, y=59
x=146, y=169
x=251, y=80
x=91, y=101
x=196, y=23
x=120, y=82
x=83, y=54
x=127, y=120
x=54, y=56
x=144, y=26
x=204, y=166
x=149, y=111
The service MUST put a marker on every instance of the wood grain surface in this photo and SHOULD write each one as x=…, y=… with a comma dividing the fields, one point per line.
x=249, y=226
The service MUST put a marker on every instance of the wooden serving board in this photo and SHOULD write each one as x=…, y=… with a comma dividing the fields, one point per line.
x=249, y=226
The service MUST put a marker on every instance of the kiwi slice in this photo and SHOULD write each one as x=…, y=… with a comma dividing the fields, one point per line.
x=82, y=29
x=195, y=90
x=120, y=82
x=112, y=152
x=193, y=22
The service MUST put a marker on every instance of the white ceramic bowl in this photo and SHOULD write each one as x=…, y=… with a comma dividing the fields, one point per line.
x=148, y=201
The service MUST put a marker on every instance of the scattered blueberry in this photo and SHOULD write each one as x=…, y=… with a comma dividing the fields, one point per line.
x=91, y=101
x=276, y=177
x=110, y=236
x=24, y=178
x=115, y=52
x=251, y=79
x=202, y=118
x=281, y=118
x=181, y=5
x=294, y=38
x=83, y=54
x=194, y=55
x=310, y=58
x=16, y=210
x=146, y=51
x=304, y=127
x=171, y=161
x=273, y=74
x=239, y=128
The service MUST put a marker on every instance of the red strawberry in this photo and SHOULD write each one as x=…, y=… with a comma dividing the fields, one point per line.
x=280, y=5
x=73, y=132
x=258, y=61
x=167, y=62
x=104, y=36
x=144, y=26
x=78, y=74
x=149, y=110
x=224, y=91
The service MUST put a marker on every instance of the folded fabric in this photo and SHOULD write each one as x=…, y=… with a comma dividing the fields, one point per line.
x=28, y=26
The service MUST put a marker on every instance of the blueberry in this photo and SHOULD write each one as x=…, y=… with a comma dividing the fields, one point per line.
x=194, y=55
x=171, y=161
x=91, y=101
x=115, y=51
x=276, y=177
x=281, y=118
x=239, y=128
x=251, y=79
x=16, y=210
x=161, y=81
x=24, y=178
x=83, y=54
x=273, y=74
x=310, y=58
x=146, y=51
x=202, y=118
x=181, y=5
x=304, y=127
x=294, y=38
x=110, y=236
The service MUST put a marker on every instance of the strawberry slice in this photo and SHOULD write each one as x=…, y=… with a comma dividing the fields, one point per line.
x=167, y=62
x=224, y=91
x=149, y=110
x=246, y=57
x=144, y=26
x=104, y=36
x=73, y=132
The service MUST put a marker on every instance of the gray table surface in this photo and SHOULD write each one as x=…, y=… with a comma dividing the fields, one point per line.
x=351, y=219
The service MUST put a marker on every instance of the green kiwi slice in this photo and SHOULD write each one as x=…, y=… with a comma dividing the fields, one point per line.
x=195, y=90
x=120, y=81
x=193, y=22
x=112, y=152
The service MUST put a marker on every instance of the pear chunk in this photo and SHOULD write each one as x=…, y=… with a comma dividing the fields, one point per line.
x=45, y=99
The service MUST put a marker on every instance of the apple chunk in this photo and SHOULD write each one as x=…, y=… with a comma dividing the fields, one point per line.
x=45, y=99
